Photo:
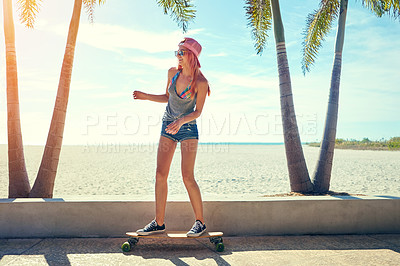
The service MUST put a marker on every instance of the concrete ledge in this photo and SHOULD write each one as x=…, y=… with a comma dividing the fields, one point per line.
x=37, y=218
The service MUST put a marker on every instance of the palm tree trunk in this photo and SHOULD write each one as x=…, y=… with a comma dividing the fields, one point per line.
x=18, y=177
x=298, y=173
x=322, y=174
x=44, y=183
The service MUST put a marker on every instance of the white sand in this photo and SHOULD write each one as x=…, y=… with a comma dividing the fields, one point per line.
x=222, y=171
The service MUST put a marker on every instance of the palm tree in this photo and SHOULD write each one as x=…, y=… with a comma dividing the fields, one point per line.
x=180, y=10
x=260, y=14
x=18, y=176
x=319, y=24
x=18, y=179
x=44, y=183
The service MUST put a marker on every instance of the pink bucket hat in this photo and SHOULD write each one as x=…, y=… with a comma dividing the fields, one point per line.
x=192, y=45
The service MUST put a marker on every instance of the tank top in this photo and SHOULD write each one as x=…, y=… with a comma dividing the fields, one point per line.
x=177, y=106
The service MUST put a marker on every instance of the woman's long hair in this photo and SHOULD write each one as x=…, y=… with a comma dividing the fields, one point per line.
x=194, y=65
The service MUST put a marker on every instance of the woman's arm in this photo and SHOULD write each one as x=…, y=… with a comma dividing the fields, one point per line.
x=162, y=98
x=138, y=95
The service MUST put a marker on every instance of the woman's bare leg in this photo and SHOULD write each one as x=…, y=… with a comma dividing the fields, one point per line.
x=166, y=149
x=189, y=151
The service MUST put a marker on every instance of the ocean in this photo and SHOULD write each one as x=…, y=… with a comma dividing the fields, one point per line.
x=223, y=171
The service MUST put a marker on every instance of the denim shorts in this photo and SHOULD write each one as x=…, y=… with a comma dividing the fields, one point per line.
x=187, y=131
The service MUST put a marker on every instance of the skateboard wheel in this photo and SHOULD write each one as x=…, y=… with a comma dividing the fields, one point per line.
x=126, y=247
x=220, y=246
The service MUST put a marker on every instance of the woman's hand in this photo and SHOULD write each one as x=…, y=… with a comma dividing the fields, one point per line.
x=138, y=95
x=174, y=127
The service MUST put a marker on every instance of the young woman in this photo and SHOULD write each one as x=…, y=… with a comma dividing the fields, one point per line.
x=186, y=92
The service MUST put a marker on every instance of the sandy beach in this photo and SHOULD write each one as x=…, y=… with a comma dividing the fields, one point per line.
x=223, y=171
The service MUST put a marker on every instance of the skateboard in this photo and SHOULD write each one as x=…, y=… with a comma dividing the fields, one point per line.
x=215, y=238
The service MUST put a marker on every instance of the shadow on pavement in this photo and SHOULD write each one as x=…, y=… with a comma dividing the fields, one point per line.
x=61, y=251
x=175, y=250
x=186, y=252
x=317, y=242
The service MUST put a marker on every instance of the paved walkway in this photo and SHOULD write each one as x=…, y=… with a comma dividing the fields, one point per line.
x=261, y=250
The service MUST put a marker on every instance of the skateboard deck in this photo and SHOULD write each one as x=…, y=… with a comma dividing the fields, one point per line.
x=215, y=238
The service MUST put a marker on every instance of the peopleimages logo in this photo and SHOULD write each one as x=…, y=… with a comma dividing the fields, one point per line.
x=227, y=124
x=113, y=132
x=117, y=124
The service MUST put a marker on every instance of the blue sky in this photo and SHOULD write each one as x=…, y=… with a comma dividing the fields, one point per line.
x=130, y=47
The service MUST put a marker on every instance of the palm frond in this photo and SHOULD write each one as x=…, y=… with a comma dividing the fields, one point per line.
x=28, y=10
x=318, y=25
x=259, y=16
x=90, y=6
x=182, y=11
x=394, y=10
x=383, y=7
x=376, y=6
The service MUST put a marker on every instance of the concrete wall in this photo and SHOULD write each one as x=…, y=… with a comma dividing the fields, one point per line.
x=25, y=218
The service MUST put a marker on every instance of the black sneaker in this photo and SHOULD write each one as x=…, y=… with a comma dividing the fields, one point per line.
x=151, y=228
x=197, y=230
